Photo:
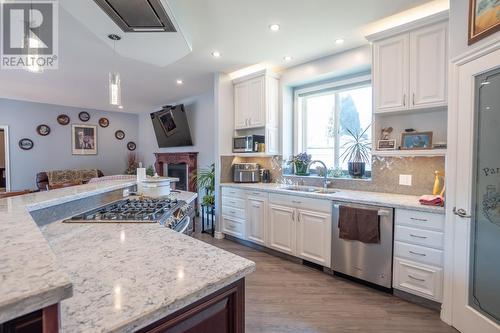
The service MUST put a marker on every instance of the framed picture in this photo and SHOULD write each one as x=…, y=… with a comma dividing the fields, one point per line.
x=103, y=122
x=167, y=121
x=84, y=139
x=388, y=144
x=26, y=144
x=484, y=19
x=43, y=130
x=120, y=135
x=63, y=119
x=84, y=116
x=416, y=140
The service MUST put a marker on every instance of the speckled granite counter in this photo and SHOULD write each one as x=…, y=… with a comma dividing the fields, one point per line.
x=374, y=198
x=122, y=276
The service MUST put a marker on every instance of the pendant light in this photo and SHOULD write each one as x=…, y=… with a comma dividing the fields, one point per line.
x=115, y=89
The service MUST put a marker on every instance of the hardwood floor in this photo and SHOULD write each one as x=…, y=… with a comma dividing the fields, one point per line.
x=282, y=296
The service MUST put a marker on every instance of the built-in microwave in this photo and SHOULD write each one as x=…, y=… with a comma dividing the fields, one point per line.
x=247, y=143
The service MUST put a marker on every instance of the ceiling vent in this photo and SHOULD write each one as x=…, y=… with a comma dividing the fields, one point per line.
x=138, y=15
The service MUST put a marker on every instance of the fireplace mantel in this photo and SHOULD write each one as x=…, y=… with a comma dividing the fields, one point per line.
x=189, y=158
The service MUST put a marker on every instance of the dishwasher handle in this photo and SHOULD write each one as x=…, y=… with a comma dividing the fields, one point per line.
x=381, y=212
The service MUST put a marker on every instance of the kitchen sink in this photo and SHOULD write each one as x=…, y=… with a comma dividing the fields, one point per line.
x=309, y=189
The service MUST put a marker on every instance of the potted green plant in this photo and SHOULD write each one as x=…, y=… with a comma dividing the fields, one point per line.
x=357, y=152
x=301, y=162
x=205, y=179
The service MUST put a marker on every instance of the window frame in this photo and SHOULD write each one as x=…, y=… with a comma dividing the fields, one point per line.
x=299, y=120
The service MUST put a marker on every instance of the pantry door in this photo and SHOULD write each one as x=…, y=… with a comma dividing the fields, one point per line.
x=475, y=214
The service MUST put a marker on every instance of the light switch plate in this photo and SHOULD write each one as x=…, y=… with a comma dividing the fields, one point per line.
x=405, y=180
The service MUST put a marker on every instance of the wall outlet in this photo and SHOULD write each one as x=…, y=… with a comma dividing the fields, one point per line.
x=405, y=180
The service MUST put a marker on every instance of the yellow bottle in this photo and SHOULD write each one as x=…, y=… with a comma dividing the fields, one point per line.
x=436, y=190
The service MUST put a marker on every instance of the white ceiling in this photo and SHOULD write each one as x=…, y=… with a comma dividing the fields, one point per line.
x=149, y=68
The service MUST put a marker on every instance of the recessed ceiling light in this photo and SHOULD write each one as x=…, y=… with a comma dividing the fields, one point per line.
x=274, y=27
x=120, y=106
x=216, y=54
x=339, y=41
x=179, y=82
x=287, y=58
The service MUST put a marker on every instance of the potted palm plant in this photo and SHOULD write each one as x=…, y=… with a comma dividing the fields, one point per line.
x=357, y=152
x=205, y=179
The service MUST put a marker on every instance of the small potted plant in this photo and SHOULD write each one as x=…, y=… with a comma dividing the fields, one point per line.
x=301, y=162
x=357, y=152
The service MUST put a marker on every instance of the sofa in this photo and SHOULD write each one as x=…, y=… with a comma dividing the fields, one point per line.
x=47, y=180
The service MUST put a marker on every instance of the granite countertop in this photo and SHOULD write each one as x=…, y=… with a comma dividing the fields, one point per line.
x=121, y=276
x=365, y=197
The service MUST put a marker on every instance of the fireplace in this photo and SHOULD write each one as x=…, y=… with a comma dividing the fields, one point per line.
x=178, y=165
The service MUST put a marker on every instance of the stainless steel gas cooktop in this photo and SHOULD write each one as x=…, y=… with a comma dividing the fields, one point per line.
x=167, y=211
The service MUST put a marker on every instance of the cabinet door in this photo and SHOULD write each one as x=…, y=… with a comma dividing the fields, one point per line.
x=390, y=74
x=256, y=220
x=257, y=102
x=241, y=105
x=314, y=237
x=282, y=229
x=428, y=66
x=272, y=140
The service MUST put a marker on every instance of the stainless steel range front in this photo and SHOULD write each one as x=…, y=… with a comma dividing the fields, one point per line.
x=168, y=211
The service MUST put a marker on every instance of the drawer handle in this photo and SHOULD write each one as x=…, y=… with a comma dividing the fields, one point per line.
x=417, y=279
x=232, y=192
x=417, y=219
x=232, y=212
x=256, y=206
x=417, y=236
x=256, y=193
x=418, y=254
x=230, y=227
x=296, y=202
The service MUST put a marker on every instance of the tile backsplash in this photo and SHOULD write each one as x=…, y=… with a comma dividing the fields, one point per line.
x=385, y=174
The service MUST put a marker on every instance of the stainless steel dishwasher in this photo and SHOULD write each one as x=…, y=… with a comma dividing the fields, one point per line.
x=368, y=262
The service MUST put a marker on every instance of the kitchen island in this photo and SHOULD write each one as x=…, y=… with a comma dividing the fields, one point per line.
x=123, y=276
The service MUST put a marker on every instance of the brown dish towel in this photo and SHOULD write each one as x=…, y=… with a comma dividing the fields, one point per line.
x=359, y=224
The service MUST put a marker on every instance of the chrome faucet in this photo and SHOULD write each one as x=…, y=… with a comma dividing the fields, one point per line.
x=325, y=180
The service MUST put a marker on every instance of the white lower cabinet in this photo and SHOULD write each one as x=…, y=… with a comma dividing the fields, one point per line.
x=290, y=224
x=419, y=279
x=418, y=255
x=233, y=226
x=314, y=236
x=282, y=229
x=256, y=220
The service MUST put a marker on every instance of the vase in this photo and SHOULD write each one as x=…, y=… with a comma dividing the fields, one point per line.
x=301, y=169
x=356, y=169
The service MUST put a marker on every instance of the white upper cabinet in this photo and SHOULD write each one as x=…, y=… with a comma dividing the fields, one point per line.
x=410, y=69
x=256, y=101
x=428, y=64
x=390, y=73
x=241, y=93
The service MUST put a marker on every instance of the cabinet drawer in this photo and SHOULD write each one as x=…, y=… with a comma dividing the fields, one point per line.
x=233, y=192
x=233, y=202
x=418, y=219
x=301, y=202
x=422, y=280
x=422, y=237
x=418, y=253
x=233, y=227
x=257, y=194
x=233, y=212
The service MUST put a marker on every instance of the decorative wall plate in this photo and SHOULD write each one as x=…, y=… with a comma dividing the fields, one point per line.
x=131, y=146
x=43, y=130
x=26, y=144
x=120, y=135
x=63, y=119
x=103, y=122
x=84, y=116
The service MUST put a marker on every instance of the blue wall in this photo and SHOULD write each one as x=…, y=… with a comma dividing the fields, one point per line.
x=53, y=152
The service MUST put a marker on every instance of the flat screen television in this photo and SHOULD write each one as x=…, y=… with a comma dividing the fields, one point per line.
x=171, y=127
